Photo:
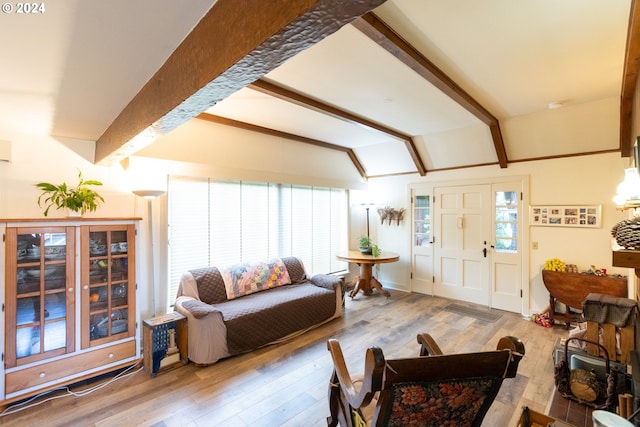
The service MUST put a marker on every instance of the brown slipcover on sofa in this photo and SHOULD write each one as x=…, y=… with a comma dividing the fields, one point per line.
x=219, y=327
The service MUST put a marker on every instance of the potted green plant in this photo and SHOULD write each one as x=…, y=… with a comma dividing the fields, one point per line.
x=365, y=245
x=79, y=199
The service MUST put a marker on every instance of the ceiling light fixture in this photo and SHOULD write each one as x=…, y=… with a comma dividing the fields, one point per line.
x=555, y=105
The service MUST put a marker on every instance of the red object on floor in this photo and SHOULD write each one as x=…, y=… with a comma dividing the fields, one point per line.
x=543, y=320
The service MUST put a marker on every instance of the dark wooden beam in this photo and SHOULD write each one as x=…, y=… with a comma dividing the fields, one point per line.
x=288, y=95
x=630, y=81
x=388, y=39
x=293, y=97
x=273, y=132
x=235, y=43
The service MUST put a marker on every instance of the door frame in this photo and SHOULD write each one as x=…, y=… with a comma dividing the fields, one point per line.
x=525, y=261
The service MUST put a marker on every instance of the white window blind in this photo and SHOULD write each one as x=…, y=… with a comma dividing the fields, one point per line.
x=188, y=228
x=225, y=223
x=215, y=222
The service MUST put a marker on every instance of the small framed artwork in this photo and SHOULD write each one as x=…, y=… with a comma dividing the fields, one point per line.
x=566, y=216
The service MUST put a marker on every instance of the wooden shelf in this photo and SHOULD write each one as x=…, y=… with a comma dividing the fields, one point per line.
x=629, y=259
x=626, y=258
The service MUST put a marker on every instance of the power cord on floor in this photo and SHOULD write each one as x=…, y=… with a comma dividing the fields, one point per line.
x=26, y=404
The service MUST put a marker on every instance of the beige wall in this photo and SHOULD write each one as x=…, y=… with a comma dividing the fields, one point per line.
x=574, y=180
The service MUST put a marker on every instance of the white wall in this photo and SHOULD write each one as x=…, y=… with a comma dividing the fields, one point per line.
x=37, y=158
x=232, y=153
x=590, y=180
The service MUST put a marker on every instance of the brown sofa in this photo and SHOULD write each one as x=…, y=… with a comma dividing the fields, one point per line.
x=220, y=327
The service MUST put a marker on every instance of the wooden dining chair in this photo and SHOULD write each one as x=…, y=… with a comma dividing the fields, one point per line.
x=429, y=390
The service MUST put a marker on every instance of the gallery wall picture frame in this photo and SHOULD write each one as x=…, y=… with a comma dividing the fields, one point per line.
x=587, y=216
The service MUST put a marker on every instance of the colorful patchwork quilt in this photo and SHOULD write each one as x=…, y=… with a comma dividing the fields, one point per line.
x=247, y=278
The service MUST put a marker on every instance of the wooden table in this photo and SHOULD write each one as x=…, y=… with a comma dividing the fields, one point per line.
x=572, y=289
x=366, y=281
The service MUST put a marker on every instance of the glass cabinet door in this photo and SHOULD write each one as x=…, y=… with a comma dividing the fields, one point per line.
x=40, y=289
x=108, y=283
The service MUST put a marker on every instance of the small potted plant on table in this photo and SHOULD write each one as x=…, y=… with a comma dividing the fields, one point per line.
x=365, y=245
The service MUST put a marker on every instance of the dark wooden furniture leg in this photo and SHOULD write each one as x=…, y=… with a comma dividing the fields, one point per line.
x=366, y=281
x=378, y=286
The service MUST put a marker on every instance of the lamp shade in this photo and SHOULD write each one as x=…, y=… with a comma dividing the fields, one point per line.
x=148, y=194
x=628, y=191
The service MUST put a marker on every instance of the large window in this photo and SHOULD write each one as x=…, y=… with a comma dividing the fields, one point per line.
x=215, y=222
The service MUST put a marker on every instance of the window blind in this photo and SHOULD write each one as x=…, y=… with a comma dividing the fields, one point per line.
x=188, y=219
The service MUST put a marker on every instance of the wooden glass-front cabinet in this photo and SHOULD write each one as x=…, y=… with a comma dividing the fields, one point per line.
x=69, y=302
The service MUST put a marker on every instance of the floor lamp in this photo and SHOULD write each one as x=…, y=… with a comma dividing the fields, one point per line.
x=149, y=195
x=367, y=206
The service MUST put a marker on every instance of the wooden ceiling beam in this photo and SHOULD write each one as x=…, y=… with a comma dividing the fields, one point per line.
x=277, y=91
x=630, y=81
x=299, y=99
x=378, y=31
x=235, y=43
x=213, y=118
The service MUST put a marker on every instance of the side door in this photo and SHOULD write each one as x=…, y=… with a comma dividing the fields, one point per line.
x=506, y=260
x=422, y=275
x=462, y=242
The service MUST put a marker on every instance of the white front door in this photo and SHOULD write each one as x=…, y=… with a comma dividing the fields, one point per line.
x=462, y=231
x=422, y=246
x=506, y=271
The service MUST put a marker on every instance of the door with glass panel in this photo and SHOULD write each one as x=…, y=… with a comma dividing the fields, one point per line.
x=506, y=271
x=422, y=246
x=40, y=292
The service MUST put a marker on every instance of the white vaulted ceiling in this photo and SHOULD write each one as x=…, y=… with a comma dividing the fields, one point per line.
x=71, y=71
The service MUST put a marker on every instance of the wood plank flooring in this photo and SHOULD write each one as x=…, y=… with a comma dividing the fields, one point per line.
x=286, y=384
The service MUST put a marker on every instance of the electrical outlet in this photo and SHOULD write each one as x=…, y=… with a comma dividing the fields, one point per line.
x=534, y=245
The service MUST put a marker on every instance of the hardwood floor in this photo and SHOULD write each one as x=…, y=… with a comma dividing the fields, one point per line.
x=286, y=384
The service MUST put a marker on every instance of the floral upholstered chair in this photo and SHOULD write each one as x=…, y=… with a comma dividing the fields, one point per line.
x=430, y=390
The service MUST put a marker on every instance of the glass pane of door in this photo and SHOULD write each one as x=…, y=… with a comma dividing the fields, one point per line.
x=42, y=311
x=506, y=221
x=422, y=221
x=108, y=282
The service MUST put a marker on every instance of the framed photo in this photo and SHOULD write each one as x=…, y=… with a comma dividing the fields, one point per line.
x=566, y=216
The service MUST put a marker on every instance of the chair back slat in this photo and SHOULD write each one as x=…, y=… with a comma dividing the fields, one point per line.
x=489, y=363
x=455, y=389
